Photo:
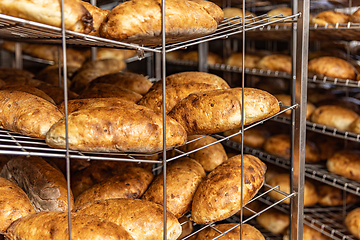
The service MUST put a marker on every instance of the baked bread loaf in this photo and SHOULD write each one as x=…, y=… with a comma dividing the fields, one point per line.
x=105, y=90
x=283, y=181
x=332, y=196
x=14, y=204
x=334, y=116
x=130, y=183
x=330, y=17
x=186, y=226
x=54, y=225
x=308, y=234
x=77, y=18
x=94, y=69
x=286, y=100
x=27, y=114
x=345, y=163
x=327, y=145
x=278, y=13
x=119, y=54
x=139, y=21
x=275, y=62
x=355, y=126
x=50, y=74
x=235, y=59
x=132, y=214
x=192, y=77
x=331, y=67
x=209, y=157
x=116, y=129
x=355, y=16
x=174, y=94
x=183, y=177
x=254, y=137
x=218, y=196
x=274, y=221
x=128, y=80
x=352, y=222
x=56, y=93
x=248, y=232
x=6, y=72
x=44, y=185
x=214, y=11
x=220, y=110
x=212, y=58
x=29, y=89
x=98, y=16
x=232, y=12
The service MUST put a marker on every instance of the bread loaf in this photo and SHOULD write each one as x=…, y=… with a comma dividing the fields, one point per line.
x=286, y=100
x=26, y=113
x=352, y=222
x=50, y=74
x=116, y=129
x=334, y=116
x=56, y=93
x=183, y=177
x=192, y=77
x=209, y=157
x=283, y=181
x=278, y=13
x=212, y=58
x=254, y=137
x=6, y=72
x=332, y=196
x=220, y=110
x=345, y=163
x=54, y=225
x=332, y=67
x=248, y=232
x=130, y=183
x=98, y=16
x=131, y=81
x=174, y=94
x=14, y=203
x=29, y=89
x=235, y=59
x=142, y=219
x=355, y=16
x=183, y=20
x=274, y=221
x=218, y=196
x=275, y=62
x=77, y=18
x=213, y=10
x=45, y=186
x=330, y=17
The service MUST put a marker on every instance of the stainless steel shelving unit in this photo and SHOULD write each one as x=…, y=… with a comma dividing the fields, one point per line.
x=16, y=29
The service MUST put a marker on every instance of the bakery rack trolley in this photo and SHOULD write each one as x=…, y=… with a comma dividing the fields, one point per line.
x=23, y=30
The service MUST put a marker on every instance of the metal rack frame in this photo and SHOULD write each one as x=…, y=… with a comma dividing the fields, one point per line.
x=28, y=31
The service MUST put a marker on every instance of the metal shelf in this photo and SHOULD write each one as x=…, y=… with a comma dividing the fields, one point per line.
x=328, y=221
x=18, y=29
x=314, y=171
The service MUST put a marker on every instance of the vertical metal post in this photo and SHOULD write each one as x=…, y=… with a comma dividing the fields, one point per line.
x=164, y=110
x=18, y=56
x=63, y=38
x=203, y=50
x=300, y=41
x=93, y=49
x=158, y=73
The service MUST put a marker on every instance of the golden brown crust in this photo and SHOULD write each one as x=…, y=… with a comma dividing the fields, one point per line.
x=77, y=18
x=10, y=72
x=105, y=90
x=31, y=90
x=27, y=114
x=275, y=62
x=352, y=222
x=54, y=225
x=131, y=183
x=183, y=177
x=116, y=129
x=50, y=74
x=212, y=58
x=220, y=110
x=248, y=233
x=253, y=137
x=355, y=16
x=14, y=203
x=209, y=157
x=213, y=10
x=132, y=81
x=274, y=221
x=120, y=54
x=334, y=116
x=174, y=94
x=235, y=59
x=280, y=13
x=139, y=21
x=98, y=16
x=330, y=17
x=355, y=126
x=186, y=226
x=132, y=214
x=331, y=67
x=332, y=196
x=286, y=100
x=57, y=93
x=283, y=181
x=234, y=12
x=345, y=163
x=218, y=196
x=45, y=186
x=94, y=69
x=192, y=77
x=327, y=145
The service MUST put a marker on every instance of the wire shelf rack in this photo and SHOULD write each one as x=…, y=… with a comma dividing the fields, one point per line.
x=323, y=129
x=17, y=29
x=328, y=221
x=317, y=172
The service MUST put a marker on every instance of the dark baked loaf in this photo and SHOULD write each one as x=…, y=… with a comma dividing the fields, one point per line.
x=332, y=67
x=345, y=163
